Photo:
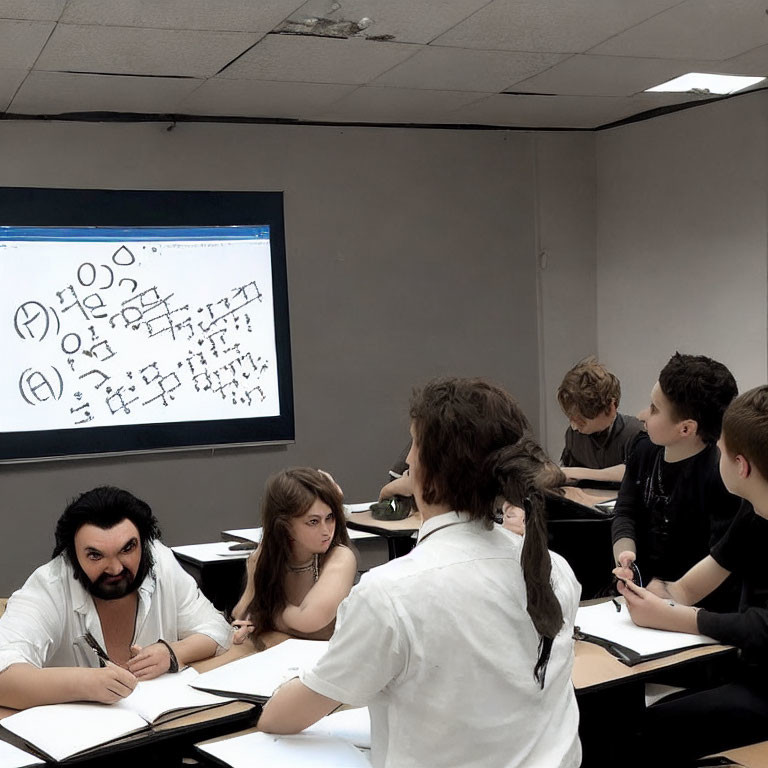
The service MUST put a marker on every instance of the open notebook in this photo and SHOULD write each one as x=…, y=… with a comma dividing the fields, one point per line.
x=255, y=677
x=60, y=731
x=614, y=629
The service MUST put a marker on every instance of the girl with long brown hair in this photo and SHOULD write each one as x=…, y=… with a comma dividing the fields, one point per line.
x=304, y=566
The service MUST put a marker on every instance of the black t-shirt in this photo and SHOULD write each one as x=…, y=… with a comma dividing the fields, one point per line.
x=602, y=449
x=742, y=550
x=675, y=512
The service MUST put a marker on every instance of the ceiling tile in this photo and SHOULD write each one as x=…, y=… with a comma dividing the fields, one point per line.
x=256, y=98
x=695, y=29
x=373, y=104
x=406, y=21
x=585, y=75
x=754, y=62
x=54, y=93
x=460, y=69
x=318, y=59
x=21, y=42
x=35, y=10
x=10, y=80
x=125, y=50
x=557, y=26
x=556, y=111
x=235, y=15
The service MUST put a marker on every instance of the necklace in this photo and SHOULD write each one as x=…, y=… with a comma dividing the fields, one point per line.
x=654, y=487
x=313, y=565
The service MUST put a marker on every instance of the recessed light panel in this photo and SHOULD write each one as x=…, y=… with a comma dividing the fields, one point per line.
x=703, y=82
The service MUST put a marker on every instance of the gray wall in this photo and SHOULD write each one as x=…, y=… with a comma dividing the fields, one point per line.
x=682, y=221
x=567, y=267
x=410, y=254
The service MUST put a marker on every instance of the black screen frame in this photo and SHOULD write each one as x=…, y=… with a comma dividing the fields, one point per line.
x=59, y=207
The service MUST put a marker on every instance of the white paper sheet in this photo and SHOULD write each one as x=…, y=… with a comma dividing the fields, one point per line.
x=212, y=552
x=303, y=750
x=153, y=698
x=352, y=725
x=603, y=620
x=362, y=507
x=254, y=534
x=260, y=673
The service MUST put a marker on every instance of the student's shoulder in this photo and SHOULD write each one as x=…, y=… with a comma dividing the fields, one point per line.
x=340, y=556
x=53, y=574
x=49, y=587
x=642, y=449
x=165, y=561
x=629, y=426
x=747, y=532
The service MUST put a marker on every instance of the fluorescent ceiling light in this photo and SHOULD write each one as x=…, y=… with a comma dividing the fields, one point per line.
x=701, y=82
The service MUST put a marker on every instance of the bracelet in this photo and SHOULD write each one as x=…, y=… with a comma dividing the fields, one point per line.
x=174, y=667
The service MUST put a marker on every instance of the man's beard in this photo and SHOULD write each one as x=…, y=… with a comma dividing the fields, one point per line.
x=104, y=588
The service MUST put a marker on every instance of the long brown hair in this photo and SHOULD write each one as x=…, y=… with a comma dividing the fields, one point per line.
x=475, y=444
x=287, y=495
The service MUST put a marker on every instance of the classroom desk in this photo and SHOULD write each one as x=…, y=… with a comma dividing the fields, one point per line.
x=398, y=533
x=751, y=756
x=220, y=571
x=611, y=695
x=169, y=744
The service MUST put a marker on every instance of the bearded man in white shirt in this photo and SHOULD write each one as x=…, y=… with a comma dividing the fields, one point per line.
x=111, y=608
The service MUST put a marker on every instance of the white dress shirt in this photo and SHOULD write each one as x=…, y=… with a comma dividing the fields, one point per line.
x=439, y=645
x=45, y=621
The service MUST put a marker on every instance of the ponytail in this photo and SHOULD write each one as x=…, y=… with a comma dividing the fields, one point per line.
x=523, y=473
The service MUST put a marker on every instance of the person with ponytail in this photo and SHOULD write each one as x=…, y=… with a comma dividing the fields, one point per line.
x=304, y=566
x=462, y=649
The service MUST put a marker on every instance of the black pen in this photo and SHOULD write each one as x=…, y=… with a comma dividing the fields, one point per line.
x=97, y=649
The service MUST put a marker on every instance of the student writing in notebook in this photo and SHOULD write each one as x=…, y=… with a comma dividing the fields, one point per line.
x=708, y=721
x=111, y=608
x=462, y=649
x=599, y=438
x=672, y=506
x=303, y=567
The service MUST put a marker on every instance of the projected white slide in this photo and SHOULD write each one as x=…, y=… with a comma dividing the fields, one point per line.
x=111, y=327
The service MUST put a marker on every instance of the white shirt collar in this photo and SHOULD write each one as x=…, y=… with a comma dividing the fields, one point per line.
x=441, y=521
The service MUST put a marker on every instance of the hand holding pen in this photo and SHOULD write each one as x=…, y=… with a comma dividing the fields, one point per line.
x=108, y=683
x=627, y=569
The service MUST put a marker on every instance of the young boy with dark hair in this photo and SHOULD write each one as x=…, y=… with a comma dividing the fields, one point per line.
x=703, y=722
x=673, y=506
x=598, y=439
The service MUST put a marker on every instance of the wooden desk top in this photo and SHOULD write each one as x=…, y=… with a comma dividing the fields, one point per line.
x=594, y=667
x=364, y=521
x=753, y=756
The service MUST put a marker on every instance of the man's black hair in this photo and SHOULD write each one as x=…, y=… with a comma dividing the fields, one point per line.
x=105, y=507
x=699, y=388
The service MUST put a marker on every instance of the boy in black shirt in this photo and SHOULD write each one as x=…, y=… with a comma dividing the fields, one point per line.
x=598, y=440
x=708, y=721
x=673, y=506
